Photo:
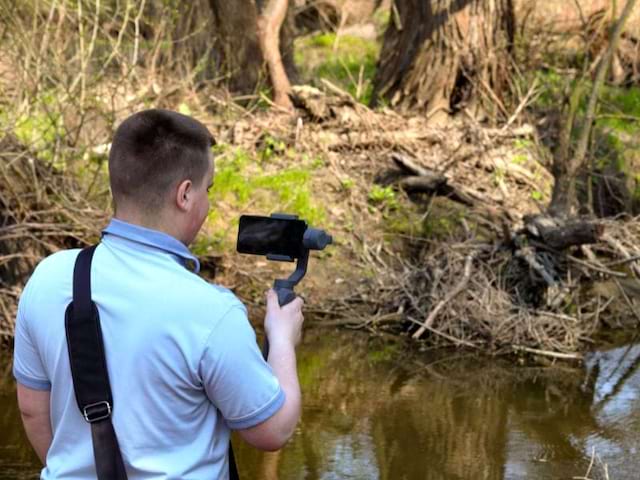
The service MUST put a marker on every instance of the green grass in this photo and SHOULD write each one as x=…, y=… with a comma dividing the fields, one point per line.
x=244, y=183
x=347, y=61
x=552, y=85
x=619, y=107
x=39, y=129
x=385, y=196
x=616, y=130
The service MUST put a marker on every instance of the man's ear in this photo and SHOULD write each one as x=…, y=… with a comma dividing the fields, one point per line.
x=184, y=193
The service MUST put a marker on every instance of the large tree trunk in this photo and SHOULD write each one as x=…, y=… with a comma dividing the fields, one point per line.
x=440, y=56
x=270, y=22
x=237, y=42
x=238, y=46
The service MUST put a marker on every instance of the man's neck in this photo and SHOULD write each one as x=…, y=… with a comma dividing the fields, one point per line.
x=153, y=222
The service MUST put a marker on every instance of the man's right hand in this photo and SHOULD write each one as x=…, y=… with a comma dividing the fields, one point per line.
x=283, y=324
x=283, y=327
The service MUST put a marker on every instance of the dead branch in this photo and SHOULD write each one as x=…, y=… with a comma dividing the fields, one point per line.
x=458, y=289
x=547, y=353
x=624, y=252
x=429, y=183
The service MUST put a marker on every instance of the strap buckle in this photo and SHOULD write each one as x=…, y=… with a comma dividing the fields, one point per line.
x=96, y=411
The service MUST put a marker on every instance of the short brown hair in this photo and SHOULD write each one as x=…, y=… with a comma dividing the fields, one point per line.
x=154, y=149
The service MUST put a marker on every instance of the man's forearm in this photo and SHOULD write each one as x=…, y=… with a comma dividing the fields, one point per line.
x=282, y=359
x=39, y=434
x=36, y=418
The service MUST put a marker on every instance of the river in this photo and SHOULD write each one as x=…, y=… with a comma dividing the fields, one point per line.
x=373, y=413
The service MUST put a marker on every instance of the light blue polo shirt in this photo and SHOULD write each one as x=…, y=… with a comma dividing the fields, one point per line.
x=183, y=361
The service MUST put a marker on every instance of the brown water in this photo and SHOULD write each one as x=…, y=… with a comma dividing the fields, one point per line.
x=371, y=415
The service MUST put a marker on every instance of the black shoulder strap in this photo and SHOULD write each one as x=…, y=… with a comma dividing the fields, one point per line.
x=233, y=468
x=89, y=371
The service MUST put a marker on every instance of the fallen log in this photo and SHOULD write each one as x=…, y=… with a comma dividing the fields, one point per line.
x=429, y=183
x=424, y=180
x=560, y=235
x=409, y=165
x=578, y=233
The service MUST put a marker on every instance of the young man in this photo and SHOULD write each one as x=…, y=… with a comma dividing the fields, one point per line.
x=182, y=358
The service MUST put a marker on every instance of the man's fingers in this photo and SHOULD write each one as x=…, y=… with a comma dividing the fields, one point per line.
x=272, y=300
x=295, y=304
x=298, y=302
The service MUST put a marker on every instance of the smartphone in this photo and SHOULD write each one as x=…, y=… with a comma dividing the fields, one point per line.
x=271, y=236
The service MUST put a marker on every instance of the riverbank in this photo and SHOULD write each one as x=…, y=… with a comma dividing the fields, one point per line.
x=443, y=235
x=437, y=265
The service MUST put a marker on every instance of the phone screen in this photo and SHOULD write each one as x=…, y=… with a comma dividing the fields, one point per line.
x=265, y=235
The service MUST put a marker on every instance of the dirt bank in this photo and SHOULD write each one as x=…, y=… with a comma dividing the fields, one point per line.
x=431, y=258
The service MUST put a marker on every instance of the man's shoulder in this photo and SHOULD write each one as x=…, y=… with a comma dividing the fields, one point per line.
x=51, y=276
x=212, y=294
x=57, y=263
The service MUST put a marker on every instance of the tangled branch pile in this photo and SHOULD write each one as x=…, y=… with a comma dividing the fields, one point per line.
x=42, y=211
x=487, y=296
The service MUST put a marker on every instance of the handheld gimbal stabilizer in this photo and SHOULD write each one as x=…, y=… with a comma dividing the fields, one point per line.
x=283, y=238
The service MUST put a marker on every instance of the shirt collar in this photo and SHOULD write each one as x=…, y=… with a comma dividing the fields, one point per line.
x=155, y=239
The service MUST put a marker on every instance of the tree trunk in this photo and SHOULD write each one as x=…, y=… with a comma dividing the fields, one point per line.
x=238, y=47
x=270, y=21
x=441, y=56
x=236, y=41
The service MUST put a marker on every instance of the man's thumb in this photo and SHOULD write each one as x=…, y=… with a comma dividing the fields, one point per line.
x=272, y=300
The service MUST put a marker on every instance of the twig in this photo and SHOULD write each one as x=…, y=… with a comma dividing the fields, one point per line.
x=525, y=101
x=603, y=68
x=598, y=268
x=628, y=300
x=547, y=353
x=432, y=315
x=624, y=261
x=457, y=341
x=622, y=250
x=593, y=457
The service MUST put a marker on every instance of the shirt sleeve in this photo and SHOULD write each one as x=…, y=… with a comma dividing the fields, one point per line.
x=237, y=380
x=28, y=369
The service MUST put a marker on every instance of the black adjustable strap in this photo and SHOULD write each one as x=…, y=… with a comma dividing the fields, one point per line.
x=89, y=371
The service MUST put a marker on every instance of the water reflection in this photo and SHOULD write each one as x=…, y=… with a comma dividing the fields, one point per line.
x=368, y=417
x=17, y=460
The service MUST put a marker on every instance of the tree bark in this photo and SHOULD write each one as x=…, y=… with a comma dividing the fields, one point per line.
x=441, y=56
x=269, y=23
x=237, y=43
x=576, y=233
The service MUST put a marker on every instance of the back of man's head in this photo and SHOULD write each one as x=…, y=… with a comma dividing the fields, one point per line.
x=152, y=151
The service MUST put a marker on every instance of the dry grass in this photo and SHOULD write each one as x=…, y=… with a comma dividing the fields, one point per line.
x=42, y=212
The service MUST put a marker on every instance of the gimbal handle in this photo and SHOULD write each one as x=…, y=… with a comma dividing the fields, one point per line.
x=285, y=295
x=285, y=292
